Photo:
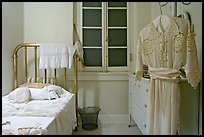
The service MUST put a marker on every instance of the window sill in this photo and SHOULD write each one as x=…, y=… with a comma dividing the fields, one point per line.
x=101, y=76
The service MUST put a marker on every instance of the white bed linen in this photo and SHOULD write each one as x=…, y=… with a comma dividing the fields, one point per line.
x=56, y=55
x=28, y=125
x=62, y=109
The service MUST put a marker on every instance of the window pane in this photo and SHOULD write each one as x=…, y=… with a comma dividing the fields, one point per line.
x=117, y=37
x=92, y=37
x=91, y=4
x=92, y=57
x=117, y=18
x=117, y=57
x=117, y=4
x=92, y=18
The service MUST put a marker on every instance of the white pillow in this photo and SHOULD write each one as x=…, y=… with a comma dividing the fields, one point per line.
x=52, y=95
x=57, y=89
x=20, y=95
x=38, y=93
x=46, y=93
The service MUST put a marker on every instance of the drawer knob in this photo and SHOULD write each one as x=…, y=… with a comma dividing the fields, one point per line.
x=147, y=90
x=144, y=125
x=145, y=106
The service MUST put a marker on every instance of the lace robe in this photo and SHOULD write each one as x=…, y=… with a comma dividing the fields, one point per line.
x=166, y=45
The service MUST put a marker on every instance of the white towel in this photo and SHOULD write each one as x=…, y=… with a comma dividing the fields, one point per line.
x=77, y=45
x=79, y=49
x=53, y=55
x=71, y=51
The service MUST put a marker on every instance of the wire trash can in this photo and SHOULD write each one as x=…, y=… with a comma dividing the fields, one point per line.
x=89, y=117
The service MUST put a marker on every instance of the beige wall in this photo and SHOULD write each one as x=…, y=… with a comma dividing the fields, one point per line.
x=139, y=18
x=48, y=22
x=12, y=35
x=111, y=96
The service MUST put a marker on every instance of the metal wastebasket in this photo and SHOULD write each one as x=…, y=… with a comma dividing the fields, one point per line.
x=89, y=117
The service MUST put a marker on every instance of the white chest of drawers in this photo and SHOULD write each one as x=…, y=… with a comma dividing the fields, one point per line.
x=138, y=100
x=139, y=92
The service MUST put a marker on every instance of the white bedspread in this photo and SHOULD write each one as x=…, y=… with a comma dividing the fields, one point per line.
x=35, y=107
x=26, y=125
x=63, y=109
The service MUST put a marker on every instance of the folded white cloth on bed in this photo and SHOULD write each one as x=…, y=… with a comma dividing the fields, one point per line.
x=55, y=55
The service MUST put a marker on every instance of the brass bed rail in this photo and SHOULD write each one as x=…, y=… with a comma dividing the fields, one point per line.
x=35, y=46
x=15, y=61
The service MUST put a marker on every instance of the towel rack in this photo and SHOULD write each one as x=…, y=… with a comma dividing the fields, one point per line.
x=174, y=6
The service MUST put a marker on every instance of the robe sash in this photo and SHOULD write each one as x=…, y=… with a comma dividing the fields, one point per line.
x=165, y=74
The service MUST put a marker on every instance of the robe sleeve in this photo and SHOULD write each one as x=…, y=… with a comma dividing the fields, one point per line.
x=139, y=63
x=192, y=66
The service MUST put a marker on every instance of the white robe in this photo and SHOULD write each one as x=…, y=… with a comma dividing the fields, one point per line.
x=166, y=45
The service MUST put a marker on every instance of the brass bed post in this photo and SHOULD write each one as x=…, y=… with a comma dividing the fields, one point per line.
x=36, y=64
x=26, y=65
x=15, y=82
x=76, y=84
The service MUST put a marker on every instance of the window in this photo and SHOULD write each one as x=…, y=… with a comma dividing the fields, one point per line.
x=104, y=34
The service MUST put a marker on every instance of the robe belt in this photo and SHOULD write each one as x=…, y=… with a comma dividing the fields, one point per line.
x=165, y=74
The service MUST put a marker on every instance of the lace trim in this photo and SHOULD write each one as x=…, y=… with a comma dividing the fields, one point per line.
x=147, y=47
x=193, y=78
x=138, y=74
x=173, y=30
x=179, y=42
x=191, y=46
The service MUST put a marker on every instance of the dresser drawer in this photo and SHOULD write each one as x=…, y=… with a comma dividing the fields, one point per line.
x=143, y=97
x=140, y=118
x=140, y=95
x=138, y=100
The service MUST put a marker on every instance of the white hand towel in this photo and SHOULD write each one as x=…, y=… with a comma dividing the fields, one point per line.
x=53, y=55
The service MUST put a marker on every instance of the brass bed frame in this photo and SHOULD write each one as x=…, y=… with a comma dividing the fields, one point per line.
x=25, y=46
